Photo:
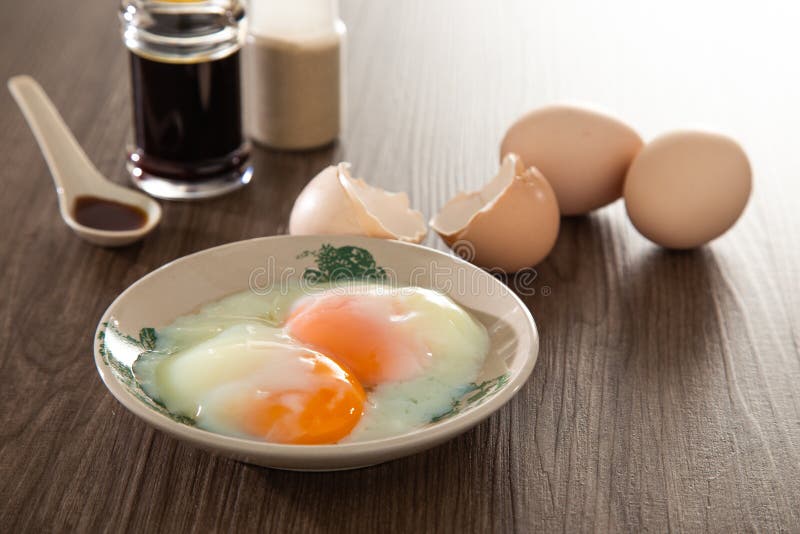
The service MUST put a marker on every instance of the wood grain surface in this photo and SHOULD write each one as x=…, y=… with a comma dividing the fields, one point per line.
x=666, y=392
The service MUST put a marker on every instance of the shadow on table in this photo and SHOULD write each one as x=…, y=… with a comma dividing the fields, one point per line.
x=636, y=294
x=635, y=302
x=394, y=491
x=671, y=308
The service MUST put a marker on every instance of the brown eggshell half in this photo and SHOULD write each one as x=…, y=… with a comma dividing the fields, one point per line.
x=510, y=224
x=583, y=153
x=334, y=203
x=686, y=188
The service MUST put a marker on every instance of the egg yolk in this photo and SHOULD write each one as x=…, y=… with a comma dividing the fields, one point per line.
x=324, y=413
x=366, y=334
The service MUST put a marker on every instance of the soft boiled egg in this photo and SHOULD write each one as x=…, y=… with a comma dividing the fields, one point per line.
x=250, y=380
x=383, y=334
x=327, y=365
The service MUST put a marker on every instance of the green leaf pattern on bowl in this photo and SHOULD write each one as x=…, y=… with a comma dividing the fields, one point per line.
x=335, y=264
x=146, y=342
x=474, y=396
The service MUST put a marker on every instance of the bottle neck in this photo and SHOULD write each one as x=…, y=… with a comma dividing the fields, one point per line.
x=183, y=31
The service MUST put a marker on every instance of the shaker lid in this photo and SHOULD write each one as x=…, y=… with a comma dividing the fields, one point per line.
x=297, y=18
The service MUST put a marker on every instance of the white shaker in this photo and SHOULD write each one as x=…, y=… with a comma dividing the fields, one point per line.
x=293, y=72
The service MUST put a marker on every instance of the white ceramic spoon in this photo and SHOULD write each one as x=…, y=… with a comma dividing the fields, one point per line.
x=74, y=175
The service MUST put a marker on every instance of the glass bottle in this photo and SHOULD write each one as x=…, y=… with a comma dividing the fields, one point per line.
x=294, y=73
x=185, y=85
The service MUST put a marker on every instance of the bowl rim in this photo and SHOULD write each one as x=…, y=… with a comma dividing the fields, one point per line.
x=429, y=435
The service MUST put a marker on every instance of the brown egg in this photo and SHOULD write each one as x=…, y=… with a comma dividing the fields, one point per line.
x=686, y=188
x=584, y=154
x=510, y=224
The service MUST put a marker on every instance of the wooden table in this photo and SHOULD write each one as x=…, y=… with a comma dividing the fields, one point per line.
x=666, y=392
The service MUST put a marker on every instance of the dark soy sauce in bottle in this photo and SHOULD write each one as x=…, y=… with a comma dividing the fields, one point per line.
x=187, y=117
x=186, y=91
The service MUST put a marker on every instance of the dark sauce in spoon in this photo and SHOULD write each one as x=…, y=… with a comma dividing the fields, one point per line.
x=103, y=214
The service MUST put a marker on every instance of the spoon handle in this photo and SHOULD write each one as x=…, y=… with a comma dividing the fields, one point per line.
x=67, y=161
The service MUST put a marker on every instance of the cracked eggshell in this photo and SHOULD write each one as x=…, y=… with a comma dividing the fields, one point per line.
x=510, y=224
x=335, y=203
x=583, y=153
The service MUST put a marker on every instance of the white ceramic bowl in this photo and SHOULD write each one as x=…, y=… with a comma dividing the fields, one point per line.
x=129, y=325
